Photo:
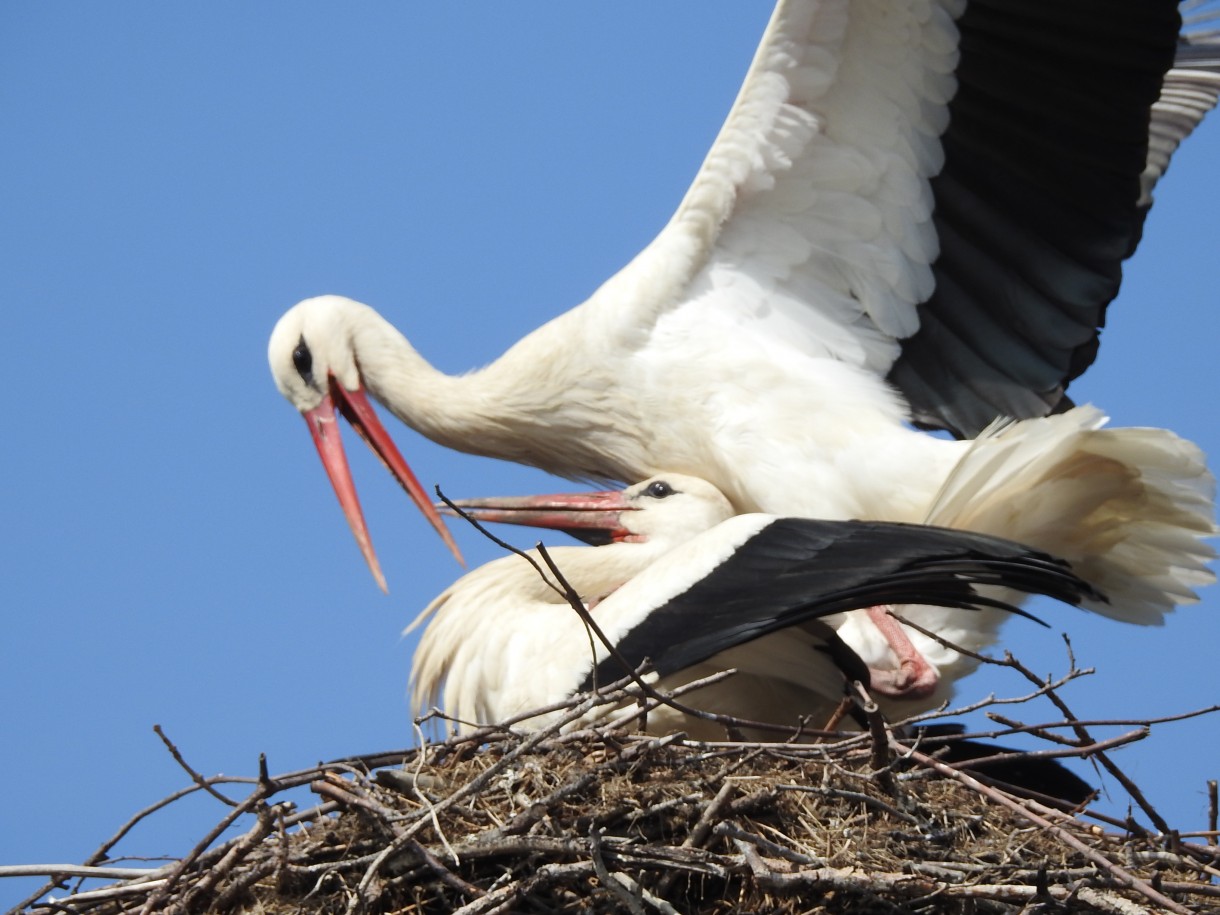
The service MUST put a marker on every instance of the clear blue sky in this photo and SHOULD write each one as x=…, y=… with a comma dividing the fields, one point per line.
x=176, y=176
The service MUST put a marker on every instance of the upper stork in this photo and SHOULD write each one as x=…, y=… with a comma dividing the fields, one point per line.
x=915, y=212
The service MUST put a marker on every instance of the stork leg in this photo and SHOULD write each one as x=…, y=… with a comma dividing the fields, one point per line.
x=914, y=677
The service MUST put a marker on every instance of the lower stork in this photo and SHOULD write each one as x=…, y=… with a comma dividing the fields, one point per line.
x=695, y=589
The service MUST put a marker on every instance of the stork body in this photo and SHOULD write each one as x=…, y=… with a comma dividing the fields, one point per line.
x=696, y=592
x=1128, y=508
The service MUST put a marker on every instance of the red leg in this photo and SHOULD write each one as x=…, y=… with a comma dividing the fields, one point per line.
x=915, y=678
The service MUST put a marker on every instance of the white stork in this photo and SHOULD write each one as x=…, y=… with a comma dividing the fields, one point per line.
x=696, y=589
x=1125, y=507
x=916, y=211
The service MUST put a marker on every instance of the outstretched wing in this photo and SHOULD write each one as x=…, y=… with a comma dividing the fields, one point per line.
x=792, y=570
x=939, y=191
x=1044, y=193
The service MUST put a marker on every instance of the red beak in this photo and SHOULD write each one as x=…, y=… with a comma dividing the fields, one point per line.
x=356, y=409
x=594, y=517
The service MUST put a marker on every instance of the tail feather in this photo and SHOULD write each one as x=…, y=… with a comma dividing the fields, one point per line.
x=1130, y=509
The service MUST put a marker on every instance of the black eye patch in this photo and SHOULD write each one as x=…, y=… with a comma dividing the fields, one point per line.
x=659, y=490
x=302, y=360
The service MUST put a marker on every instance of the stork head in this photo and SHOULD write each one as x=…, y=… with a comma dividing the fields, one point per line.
x=674, y=506
x=671, y=507
x=313, y=346
x=316, y=365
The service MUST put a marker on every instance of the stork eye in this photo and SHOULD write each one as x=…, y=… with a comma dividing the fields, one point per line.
x=659, y=490
x=302, y=359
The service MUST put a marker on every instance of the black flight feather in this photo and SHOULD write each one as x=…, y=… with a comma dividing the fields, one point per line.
x=1040, y=199
x=800, y=569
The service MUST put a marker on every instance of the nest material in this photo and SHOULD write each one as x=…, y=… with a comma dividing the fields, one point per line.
x=601, y=819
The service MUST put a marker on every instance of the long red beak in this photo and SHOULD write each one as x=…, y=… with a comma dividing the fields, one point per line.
x=594, y=517
x=356, y=409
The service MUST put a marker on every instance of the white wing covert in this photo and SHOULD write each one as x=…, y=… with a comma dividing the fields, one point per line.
x=939, y=193
x=808, y=226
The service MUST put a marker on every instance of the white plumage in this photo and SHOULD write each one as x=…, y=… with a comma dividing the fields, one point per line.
x=1128, y=508
x=697, y=590
x=880, y=209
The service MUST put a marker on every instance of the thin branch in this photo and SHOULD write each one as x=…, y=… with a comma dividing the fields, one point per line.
x=57, y=871
x=1212, y=808
x=195, y=776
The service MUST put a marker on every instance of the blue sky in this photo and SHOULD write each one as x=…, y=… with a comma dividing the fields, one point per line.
x=177, y=176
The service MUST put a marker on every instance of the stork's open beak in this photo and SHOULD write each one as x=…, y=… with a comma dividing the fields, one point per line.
x=594, y=517
x=356, y=409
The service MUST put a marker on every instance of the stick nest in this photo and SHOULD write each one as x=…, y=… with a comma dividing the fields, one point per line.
x=602, y=818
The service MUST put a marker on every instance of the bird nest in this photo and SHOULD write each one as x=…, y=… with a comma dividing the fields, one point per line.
x=604, y=818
